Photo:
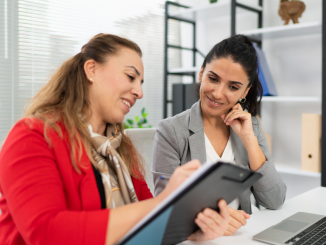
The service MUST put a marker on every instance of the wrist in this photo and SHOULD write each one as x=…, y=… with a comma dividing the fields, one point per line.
x=160, y=197
x=249, y=141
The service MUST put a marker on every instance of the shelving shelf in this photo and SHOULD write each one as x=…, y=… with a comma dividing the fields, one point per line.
x=286, y=168
x=290, y=99
x=184, y=69
x=285, y=31
x=219, y=9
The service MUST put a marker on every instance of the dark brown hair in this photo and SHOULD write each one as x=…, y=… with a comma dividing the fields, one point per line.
x=240, y=49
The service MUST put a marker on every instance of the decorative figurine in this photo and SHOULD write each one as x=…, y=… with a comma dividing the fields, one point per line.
x=291, y=10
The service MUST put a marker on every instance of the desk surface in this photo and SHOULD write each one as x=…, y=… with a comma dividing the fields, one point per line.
x=311, y=202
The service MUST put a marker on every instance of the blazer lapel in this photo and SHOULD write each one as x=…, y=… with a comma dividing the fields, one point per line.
x=196, y=139
x=241, y=159
x=239, y=150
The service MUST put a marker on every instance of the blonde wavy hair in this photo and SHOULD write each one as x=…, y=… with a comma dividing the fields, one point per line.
x=65, y=99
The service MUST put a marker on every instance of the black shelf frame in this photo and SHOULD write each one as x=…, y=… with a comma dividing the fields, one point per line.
x=234, y=5
x=323, y=98
x=167, y=46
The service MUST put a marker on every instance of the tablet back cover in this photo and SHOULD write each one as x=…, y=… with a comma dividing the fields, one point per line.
x=225, y=181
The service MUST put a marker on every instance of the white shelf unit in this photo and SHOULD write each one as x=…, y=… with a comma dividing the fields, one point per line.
x=219, y=9
x=286, y=168
x=282, y=32
x=290, y=99
x=184, y=69
x=222, y=9
x=285, y=31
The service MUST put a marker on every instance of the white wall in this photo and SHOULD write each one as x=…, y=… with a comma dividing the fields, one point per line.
x=295, y=64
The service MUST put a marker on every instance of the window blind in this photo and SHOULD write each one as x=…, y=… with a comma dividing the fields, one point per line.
x=38, y=35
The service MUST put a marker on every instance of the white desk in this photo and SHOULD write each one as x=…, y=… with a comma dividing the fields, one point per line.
x=313, y=201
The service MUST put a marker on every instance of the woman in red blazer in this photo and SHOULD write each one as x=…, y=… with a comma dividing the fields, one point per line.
x=67, y=170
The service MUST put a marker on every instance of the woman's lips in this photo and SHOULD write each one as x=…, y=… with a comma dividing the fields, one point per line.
x=126, y=104
x=213, y=103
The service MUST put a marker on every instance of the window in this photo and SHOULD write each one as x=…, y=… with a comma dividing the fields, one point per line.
x=38, y=35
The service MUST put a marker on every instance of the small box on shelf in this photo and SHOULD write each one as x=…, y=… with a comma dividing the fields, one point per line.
x=311, y=143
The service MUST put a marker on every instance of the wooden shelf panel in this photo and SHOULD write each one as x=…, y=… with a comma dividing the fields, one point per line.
x=295, y=170
x=290, y=99
x=209, y=11
x=285, y=31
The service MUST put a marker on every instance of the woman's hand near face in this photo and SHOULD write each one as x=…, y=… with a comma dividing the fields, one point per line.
x=238, y=218
x=240, y=122
x=211, y=223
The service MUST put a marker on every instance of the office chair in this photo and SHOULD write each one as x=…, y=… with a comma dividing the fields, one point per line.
x=143, y=140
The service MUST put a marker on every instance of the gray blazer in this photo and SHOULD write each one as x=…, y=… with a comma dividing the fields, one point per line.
x=180, y=139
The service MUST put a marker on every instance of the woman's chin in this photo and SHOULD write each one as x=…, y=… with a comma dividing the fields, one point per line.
x=116, y=120
x=214, y=112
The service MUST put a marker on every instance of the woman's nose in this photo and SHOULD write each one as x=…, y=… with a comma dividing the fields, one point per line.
x=138, y=91
x=218, y=91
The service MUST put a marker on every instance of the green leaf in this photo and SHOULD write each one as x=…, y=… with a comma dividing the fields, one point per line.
x=141, y=121
x=130, y=121
x=125, y=126
x=143, y=110
x=145, y=120
x=145, y=115
x=137, y=119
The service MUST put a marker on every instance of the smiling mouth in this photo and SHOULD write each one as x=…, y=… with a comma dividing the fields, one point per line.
x=215, y=103
x=126, y=102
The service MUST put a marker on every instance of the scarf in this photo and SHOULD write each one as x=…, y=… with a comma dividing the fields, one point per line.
x=116, y=178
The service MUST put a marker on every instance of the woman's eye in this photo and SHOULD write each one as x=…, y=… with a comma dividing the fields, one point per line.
x=234, y=88
x=131, y=77
x=213, y=79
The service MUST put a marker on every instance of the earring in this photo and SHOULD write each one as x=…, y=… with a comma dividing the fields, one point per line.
x=91, y=79
x=198, y=82
x=242, y=100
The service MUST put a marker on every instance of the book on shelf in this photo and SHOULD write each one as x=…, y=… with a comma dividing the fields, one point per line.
x=264, y=74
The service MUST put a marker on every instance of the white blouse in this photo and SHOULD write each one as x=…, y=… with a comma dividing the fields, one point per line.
x=227, y=155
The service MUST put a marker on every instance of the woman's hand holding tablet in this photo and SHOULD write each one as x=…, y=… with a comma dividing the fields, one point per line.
x=238, y=218
x=211, y=223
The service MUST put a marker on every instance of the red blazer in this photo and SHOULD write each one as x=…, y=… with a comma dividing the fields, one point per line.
x=44, y=200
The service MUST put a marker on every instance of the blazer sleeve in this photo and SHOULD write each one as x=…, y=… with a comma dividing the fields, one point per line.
x=141, y=189
x=270, y=190
x=32, y=187
x=166, y=155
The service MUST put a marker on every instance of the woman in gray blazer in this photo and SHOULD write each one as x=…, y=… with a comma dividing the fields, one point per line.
x=222, y=122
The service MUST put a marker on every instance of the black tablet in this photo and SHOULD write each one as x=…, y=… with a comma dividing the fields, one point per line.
x=172, y=221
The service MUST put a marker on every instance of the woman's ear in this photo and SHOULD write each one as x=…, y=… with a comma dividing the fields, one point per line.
x=246, y=92
x=89, y=68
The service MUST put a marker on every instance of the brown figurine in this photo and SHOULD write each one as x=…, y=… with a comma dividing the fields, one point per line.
x=291, y=10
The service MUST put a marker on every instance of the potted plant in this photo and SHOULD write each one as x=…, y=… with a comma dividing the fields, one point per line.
x=138, y=122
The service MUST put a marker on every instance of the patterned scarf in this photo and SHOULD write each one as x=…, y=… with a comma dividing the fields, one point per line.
x=116, y=178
